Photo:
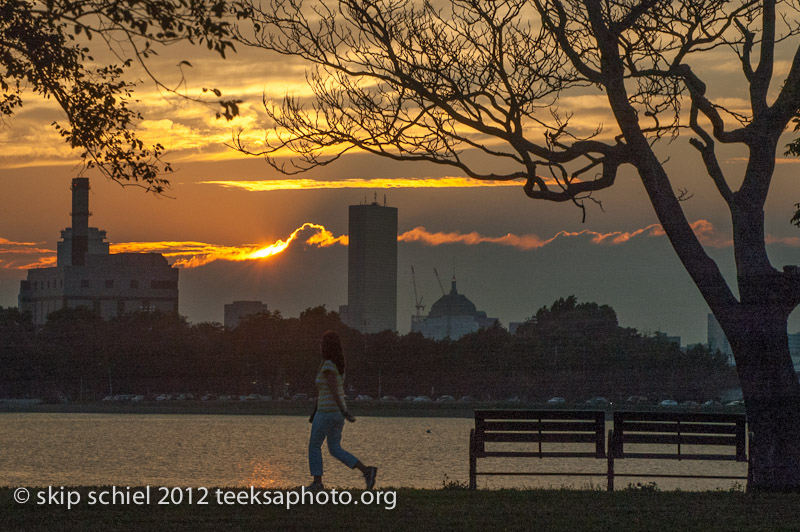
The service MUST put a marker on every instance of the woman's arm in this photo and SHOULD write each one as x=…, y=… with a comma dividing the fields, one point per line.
x=333, y=386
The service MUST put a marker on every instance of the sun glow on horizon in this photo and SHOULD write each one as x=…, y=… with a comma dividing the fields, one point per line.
x=194, y=254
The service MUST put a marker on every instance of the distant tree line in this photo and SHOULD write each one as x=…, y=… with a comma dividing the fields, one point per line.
x=570, y=349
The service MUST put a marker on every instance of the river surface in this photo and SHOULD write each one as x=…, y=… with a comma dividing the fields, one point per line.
x=271, y=452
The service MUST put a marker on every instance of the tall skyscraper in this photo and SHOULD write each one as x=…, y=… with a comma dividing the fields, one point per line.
x=372, y=269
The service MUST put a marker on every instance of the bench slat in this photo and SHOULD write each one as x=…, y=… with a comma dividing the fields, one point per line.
x=674, y=439
x=697, y=417
x=529, y=454
x=673, y=456
x=683, y=428
x=545, y=473
x=544, y=426
x=547, y=437
x=540, y=414
x=667, y=475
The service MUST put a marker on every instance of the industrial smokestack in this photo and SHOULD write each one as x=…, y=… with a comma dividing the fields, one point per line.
x=80, y=220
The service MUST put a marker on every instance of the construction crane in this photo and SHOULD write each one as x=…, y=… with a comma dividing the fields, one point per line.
x=441, y=286
x=418, y=300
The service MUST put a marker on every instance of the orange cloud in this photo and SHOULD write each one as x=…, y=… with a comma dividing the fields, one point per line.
x=41, y=262
x=24, y=251
x=792, y=241
x=703, y=229
x=313, y=184
x=778, y=160
x=5, y=242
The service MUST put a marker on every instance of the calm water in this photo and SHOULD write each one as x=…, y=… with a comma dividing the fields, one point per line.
x=270, y=452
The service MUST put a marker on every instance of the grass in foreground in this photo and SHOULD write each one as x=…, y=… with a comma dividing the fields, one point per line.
x=447, y=509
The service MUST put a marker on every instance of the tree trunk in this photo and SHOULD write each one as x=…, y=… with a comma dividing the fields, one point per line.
x=771, y=391
x=756, y=322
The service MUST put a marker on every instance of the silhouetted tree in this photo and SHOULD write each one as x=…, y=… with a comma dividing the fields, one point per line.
x=48, y=48
x=17, y=349
x=70, y=349
x=79, y=356
x=258, y=344
x=445, y=82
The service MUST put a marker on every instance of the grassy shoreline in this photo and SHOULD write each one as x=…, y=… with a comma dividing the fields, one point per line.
x=447, y=509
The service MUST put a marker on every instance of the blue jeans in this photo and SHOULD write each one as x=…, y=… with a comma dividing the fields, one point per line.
x=327, y=425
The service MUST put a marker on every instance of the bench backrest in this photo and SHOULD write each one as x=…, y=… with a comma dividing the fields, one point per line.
x=542, y=427
x=650, y=431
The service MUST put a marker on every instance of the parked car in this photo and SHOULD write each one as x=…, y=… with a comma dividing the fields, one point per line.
x=422, y=399
x=300, y=397
x=668, y=402
x=363, y=397
x=597, y=401
x=446, y=399
x=556, y=401
x=637, y=399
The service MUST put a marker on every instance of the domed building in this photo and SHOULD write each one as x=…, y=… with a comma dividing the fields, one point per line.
x=452, y=316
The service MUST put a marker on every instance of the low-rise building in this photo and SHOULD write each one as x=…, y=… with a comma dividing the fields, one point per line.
x=236, y=311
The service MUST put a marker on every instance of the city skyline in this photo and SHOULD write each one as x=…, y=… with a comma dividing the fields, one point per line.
x=205, y=289
x=513, y=255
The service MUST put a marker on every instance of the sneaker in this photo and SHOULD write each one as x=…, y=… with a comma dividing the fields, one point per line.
x=369, y=477
x=316, y=486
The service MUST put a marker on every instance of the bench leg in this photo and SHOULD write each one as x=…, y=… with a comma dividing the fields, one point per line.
x=610, y=454
x=472, y=461
x=749, y=463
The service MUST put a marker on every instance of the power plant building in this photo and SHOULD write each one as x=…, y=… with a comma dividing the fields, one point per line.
x=371, y=269
x=88, y=275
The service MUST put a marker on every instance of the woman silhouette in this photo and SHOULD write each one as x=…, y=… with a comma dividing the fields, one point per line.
x=328, y=419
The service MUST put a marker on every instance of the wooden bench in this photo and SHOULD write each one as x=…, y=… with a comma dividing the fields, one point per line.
x=542, y=428
x=666, y=435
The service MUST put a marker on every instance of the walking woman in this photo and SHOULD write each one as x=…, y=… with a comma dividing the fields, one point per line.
x=328, y=420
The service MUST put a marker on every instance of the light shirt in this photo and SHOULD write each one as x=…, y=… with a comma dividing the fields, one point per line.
x=326, y=402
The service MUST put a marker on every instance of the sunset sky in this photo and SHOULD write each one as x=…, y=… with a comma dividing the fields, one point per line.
x=511, y=255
